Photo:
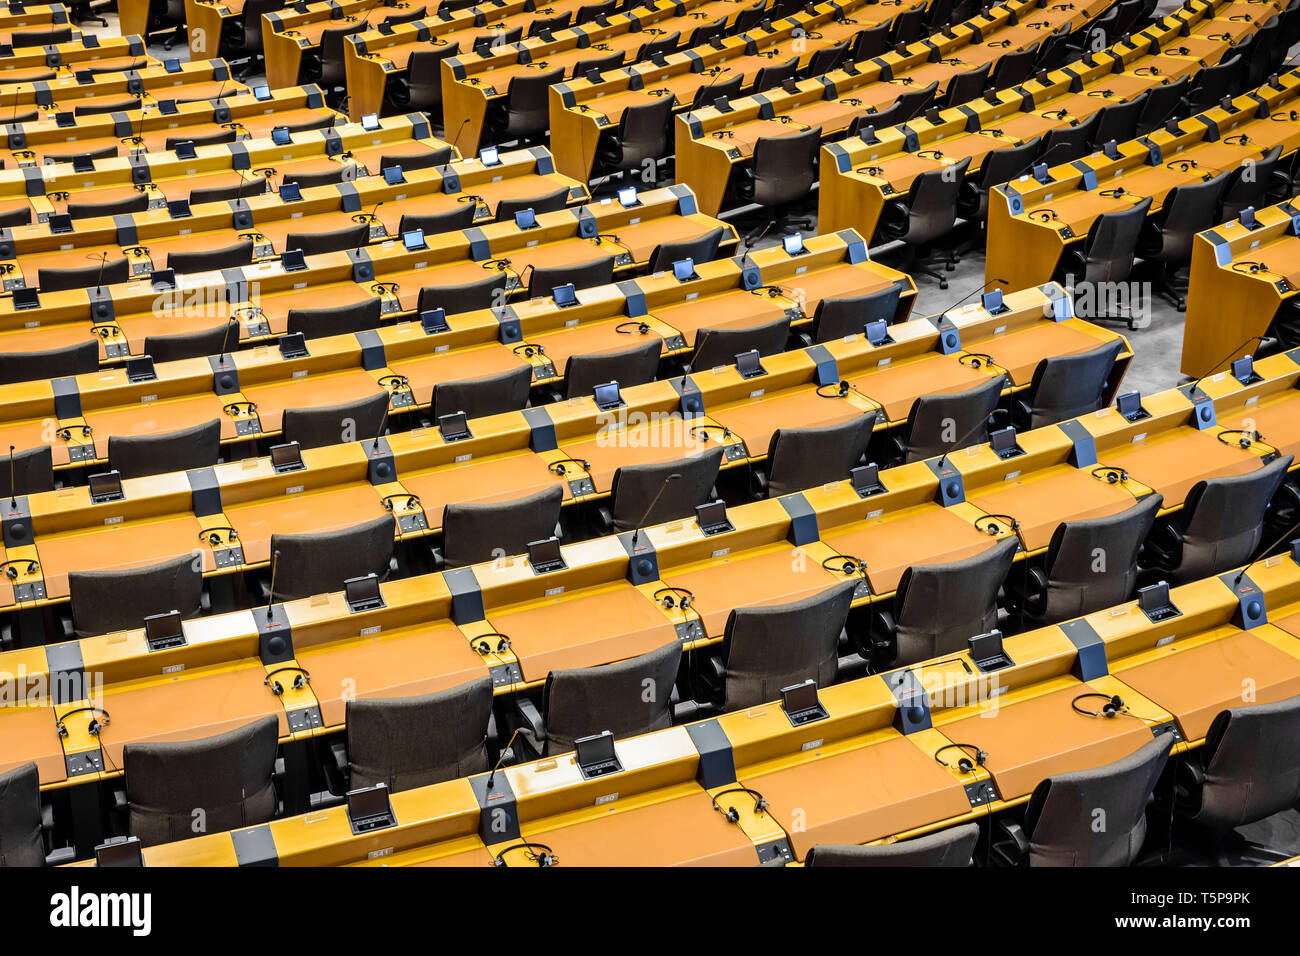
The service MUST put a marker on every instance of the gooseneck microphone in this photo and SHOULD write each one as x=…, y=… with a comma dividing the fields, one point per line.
x=654, y=501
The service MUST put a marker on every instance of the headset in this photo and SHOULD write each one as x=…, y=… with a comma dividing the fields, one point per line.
x=731, y=813
x=627, y=328
x=301, y=680
x=846, y=564
x=1245, y=438
x=1043, y=215
x=379, y=288
x=546, y=858
x=93, y=728
x=975, y=360
x=964, y=764
x=12, y=572
x=412, y=501
x=557, y=467
x=233, y=409
x=992, y=528
x=212, y=536
x=1106, y=473
x=1114, y=705
x=668, y=602
x=529, y=349
x=841, y=389
x=484, y=648
x=705, y=429
x=66, y=433
x=396, y=383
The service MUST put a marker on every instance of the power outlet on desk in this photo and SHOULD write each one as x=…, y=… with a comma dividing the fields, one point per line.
x=981, y=792
x=543, y=373
x=776, y=853
x=82, y=764
x=389, y=306
x=861, y=590
x=624, y=259
x=117, y=350
x=674, y=343
x=15, y=283
x=503, y=675
x=32, y=591
x=795, y=314
x=402, y=399
x=228, y=557
x=1168, y=727
x=736, y=452
x=248, y=426
x=257, y=327
x=80, y=453
x=582, y=486
x=304, y=718
x=689, y=631
x=412, y=522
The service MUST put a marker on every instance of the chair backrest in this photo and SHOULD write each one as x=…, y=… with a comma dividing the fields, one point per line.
x=749, y=18
x=433, y=223
x=118, y=207
x=785, y=167
x=335, y=320
x=21, y=843
x=409, y=742
x=1061, y=819
x=664, y=44
x=643, y=132
x=827, y=59
x=1250, y=765
x=910, y=104
x=97, y=109
x=873, y=41
x=1067, y=386
x=770, y=647
x=601, y=64
x=491, y=395
x=1214, y=83
x=314, y=243
x=489, y=43
x=242, y=190
x=939, y=606
x=543, y=279
x=1068, y=143
x=637, y=487
x=546, y=202
x=707, y=93
x=549, y=24
x=18, y=216
x=112, y=272
x=138, y=455
x=1112, y=242
x=474, y=532
x=936, y=422
x=32, y=472
x=908, y=26
x=169, y=348
x=966, y=86
x=1119, y=122
x=800, y=458
x=707, y=33
x=466, y=297
x=105, y=601
x=310, y=180
x=932, y=203
x=319, y=562
x=590, y=11
x=332, y=424
x=1001, y=164
x=1077, y=582
x=106, y=152
x=714, y=347
x=332, y=70
x=631, y=697
x=628, y=367
x=425, y=72
x=836, y=318
x=228, y=776
x=21, y=38
x=1014, y=68
x=526, y=109
x=1223, y=520
x=952, y=847
x=209, y=260
x=410, y=16
x=1161, y=103
x=212, y=139
x=701, y=249
x=1248, y=185
x=56, y=363
x=1187, y=210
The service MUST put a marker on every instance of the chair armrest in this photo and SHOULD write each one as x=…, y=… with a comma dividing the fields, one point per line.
x=64, y=854
x=119, y=799
x=532, y=718
x=439, y=562
x=1015, y=833
x=205, y=602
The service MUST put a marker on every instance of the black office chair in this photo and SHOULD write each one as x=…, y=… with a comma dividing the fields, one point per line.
x=629, y=698
x=487, y=44
x=32, y=472
x=410, y=16
x=551, y=201
x=491, y=395
x=241, y=190
x=720, y=346
x=802, y=458
x=210, y=260
x=1068, y=143
x=55, y=363
x=749, y=18
x=871, y=42
x=332, y=71
x=701, y=249
x=1118, y=122
x=542, y=279
x=213, y=139
x=1267, y=53
x=462, y=217
x=937, y=607
x=951, y=847
x=107, y=601
x=332, y=424
x=136, y=456
x=636, y=488
x=1219, y=526
x=662, y=46
x=998, y=167
x=1165, y=242
x=928, y=214
x=97, y=109
x=966, y=86
x=421, y=88
x=771, y=76
x=25, y=824
x=526, y=111
x=707, y=33
x=111, y=272
x=1248, y=185
x=710, y=93
x=314, y=243
x=329, y=177
x=243, y=36
x=21, y=216
x=543, y=25
x=1106, y=253
x=1162, y=102
x=409, y=742
x=909, y=26
x=827, y=59
x=90, y=156
x=1212, y=84
x=118, y=207
x=171, y=348
x=1067, y=386
x=934, y=419
x=773, y=646
x=1060, y=822
x=473, y=533
x=628, y=367
x=641, y=138
x=319, y=563
x=597, y=64
x=1247, y=770
x=231, y=776
x=590, y=11
x=836, y=319
x=467, y=297
x=783, y=171
x=336, y=320
x=24, y=38
x=1014, y=68
x=1071, y=582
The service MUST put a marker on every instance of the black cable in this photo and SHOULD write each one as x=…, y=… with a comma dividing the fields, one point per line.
x=547, y=857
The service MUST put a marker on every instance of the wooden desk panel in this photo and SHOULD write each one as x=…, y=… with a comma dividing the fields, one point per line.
x=1031, y=739
x=187, y=706
x=890, y=544
x=1273, y=419
x=303, y=513
x=733, y=310
x=1041, y=500
x=117, y=547
x=583, y=629
x=156, y=418
x=590, y=338
x=455, y=365
x=1171, y=463
x=757, y=420
x=504, y=477
x=649, y=444
x=406, y=663
x=897, y=387
x=859, y=795
x=30, y=735
x=318, y=391
x=1020, y=351
x=1195, y=683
